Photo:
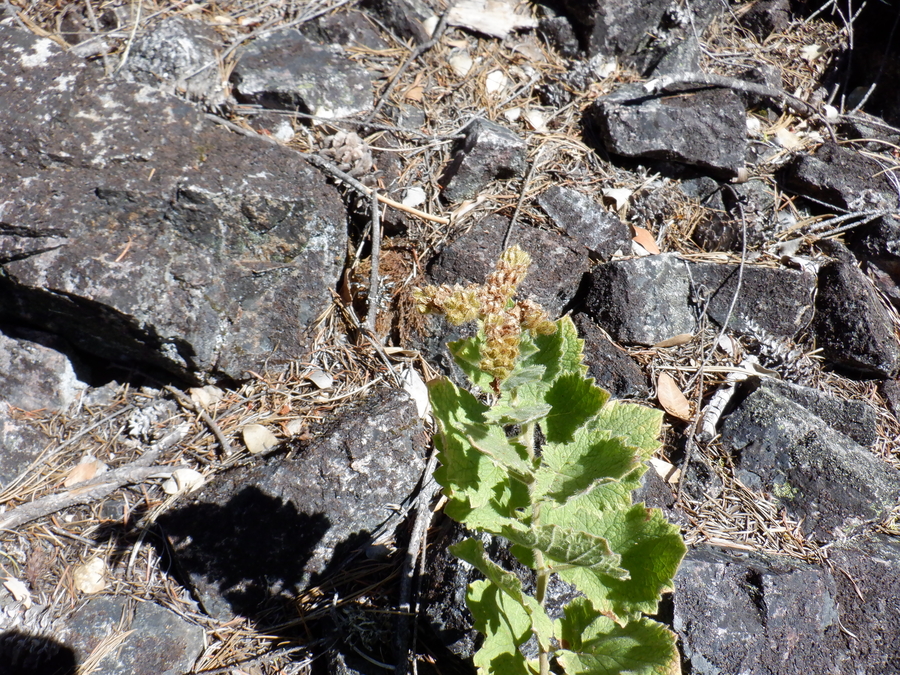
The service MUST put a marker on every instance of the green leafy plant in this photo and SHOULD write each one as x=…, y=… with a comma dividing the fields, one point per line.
x=542, y=457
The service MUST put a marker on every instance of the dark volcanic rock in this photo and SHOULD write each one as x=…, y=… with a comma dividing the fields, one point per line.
x=852, y=327
x=170, y=55
x=777, y=300
x=160, y=642
x=842, y=177
x=820, y=475
x=613, y=28
x=287, y=71
x=877, y=245
x=765, y=17
x=649, y=299
x=702, y=127
x=611, y=366
x=404, y=17
x=142, y=232
x=855, y=419
x=258, y=534
x=868, y=593
x=347, y=29
x=586, y=221
x=488, y=152
x=757, y=615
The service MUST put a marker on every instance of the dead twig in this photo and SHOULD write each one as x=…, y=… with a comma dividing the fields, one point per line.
x=87, y=492
x=690, y=442
x=512, y=223
x=374, y=299
x=416, y=53
x=186, y=402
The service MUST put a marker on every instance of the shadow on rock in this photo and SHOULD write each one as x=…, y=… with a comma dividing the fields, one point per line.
x=253, y=549
x=23, y=654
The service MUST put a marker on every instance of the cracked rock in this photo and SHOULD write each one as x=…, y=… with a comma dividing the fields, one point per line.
x=488, y=152
x=287, y=71
x=586, y=221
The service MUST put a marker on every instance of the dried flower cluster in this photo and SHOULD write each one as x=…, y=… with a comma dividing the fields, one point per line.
x=492, y=305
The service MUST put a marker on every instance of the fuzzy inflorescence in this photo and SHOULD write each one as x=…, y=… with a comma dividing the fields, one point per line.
x=492, y=305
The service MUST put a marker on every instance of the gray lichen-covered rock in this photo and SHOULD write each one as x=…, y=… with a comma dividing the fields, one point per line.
x=170, y=56
x=258, y=534
x=778, y=301
x=641, y=300
x=756, y=615
x=852, y=327
x=586, y=221
x=35, y=377
x=613, y=28
x=142, y=232
x=157, y=641
x=702, y=127
x=649, y=299
x=287, y=71
x=820, y=475
x=488, y=152
x=20, y=444
x=843, y=177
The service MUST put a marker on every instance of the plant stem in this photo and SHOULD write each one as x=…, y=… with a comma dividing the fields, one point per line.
x=543, y=573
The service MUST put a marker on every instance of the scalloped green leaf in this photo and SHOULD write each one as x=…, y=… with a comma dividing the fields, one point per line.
x=598, y=646
x=566, y=548
x=651, y=550
x=638, y=425
x=472, y=551
x=569, y=470
x=505, y=625
x=467, y=354
x=573, y=400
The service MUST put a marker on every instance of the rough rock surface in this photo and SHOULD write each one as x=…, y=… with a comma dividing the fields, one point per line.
x=612, y=28
x=702, y=127
x=308, y=512
x=287, y=71
x=586, y=221
x=488, y=152
x=755, y=614
x=821, y=476
x=649, y=299
x=557, y=262
x=841, y=177
x=852, y=327
x=642, y=300
x=142, y=232
x=170, y=56
x=34, y=377
x=162, y=642
x=20, y=445
x=613, y=369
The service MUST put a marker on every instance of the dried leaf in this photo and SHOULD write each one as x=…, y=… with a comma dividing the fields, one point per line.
x=645, y=239
x=619, y=197
x=674, y=341
x=183, y=480
x=91, y=576
x=788, y=139
x=668, y=472
x=811, y=52
x=19, y=591
x=319, y=378
x=536, y=119
x=415, y=387
x=495, y=82
x=206, y=396
x=258, y=438
x=415, y=196
x=87, y=468
x=415, y=93
x=461, y=64
x=671, y=398
x=513, y=114
x=495, y=18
